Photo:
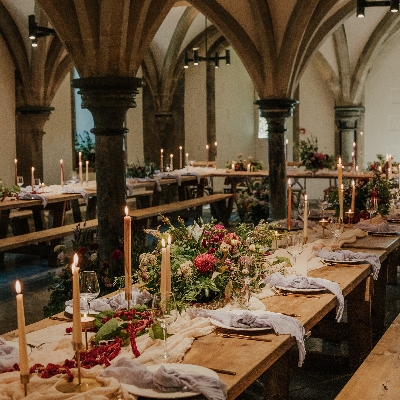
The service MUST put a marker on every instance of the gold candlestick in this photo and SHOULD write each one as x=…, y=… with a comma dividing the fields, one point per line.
x=350, y=215
x=323, y=222
x=25, y=381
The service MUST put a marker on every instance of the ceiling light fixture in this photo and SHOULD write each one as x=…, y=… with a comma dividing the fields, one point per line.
x=36, y=31
x=197, y=58
x=361, y=4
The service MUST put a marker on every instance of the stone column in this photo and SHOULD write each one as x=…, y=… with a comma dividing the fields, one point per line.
x=348, y=120
x=276, y=111
x=29, y=141
x=108, y=99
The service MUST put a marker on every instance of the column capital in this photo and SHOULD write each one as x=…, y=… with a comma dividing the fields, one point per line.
x=348, y=117
x=276, y=107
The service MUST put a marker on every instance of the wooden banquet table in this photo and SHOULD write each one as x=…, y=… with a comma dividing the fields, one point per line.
x=270, y=361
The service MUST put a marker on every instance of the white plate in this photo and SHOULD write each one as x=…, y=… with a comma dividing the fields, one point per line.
x=70, y=310
x=327, y=260
x=188, y=369
x=221, y=325
x=299, y=290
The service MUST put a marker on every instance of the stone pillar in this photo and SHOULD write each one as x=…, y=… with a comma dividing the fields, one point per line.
x=29, y=146
x=348, y=120
x=165, y=123
x=276, y=111
x=108, y=99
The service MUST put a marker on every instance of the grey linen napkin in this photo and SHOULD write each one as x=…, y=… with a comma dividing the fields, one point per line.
x=83, y=192
x=305, y=282
x=384, y=227
x=347, y=255
x=171, y=175
x=132, y=372
x=147, y=179
x=9, y=355
x=33, y=196
x=280, y=323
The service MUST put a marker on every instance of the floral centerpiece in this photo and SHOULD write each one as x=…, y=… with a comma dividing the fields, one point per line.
x=85, y=143
x=381, y=164
x=208, y=263
x=140, y=170
x=8, y=191
x=311, y=157
x=243, y=165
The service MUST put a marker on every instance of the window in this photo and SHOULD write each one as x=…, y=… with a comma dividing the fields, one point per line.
x=262, y=127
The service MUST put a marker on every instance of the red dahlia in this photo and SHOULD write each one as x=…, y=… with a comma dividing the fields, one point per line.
x=205, y=262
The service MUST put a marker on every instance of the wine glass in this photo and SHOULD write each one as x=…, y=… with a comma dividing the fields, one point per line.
x=164, y=312
x=89, y=287
x=371, y=206
x=147, y=170
x=300, y=211
x=323, y=204
x=20, y=181
x=37, y=184
x=336, y=227
x=294, y=245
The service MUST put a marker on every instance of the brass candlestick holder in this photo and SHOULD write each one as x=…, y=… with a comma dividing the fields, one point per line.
x=87, y=323
x=323, y=222
x=350, y=215
x=25, y=381
x=128, y=298
x=79, y=384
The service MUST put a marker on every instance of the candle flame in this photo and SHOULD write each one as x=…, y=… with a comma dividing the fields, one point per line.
x=61, y=161
x=305, y=197
x=126, y=211
x=215, y=144
x=87, y=162
x=18, y=287
x=163, y=242
x=15, y=161
x=180, y=147
x=289, y=182
x=169, y=239
x=162, y=151
x=207, y=146
x=341, y=187
x=33, y=168
x=171, y=155
x=76, y=259
x=287, y=141
x=340, y=160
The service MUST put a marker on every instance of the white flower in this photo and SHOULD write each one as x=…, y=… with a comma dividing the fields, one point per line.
x=252, y=247
x=234, y=242
x=225, y=247
x=195, y=230
x=245, y=271
x=185, y=269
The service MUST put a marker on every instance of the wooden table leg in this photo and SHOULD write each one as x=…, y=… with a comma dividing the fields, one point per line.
x=378, y=308
x=4, y=220
x=76, y=211
x=360, y=323
x=91, y=208
x=276, y=379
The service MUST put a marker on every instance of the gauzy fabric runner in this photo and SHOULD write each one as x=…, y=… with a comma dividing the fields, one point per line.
x=133, y=373
x=305, y=282
x=9, y=355
x=280, y=323
x=347, y=255
x=33, y=196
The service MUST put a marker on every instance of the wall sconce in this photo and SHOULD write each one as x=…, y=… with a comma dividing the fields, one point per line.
x=361, y=4
x=36, y=31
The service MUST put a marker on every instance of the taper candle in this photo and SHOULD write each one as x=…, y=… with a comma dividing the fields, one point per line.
x=305, y=226
x=15, y=172
x=353, y=195
x=207, y=154
x=162, y=160
x=163, y=285
x=80, y=173
x=87, y=172
x=339, y=171
x=289, y=200
x=187, y=159
x=33, y=178
x=23, y=352
x=128, y=255
x=62, y=172
x=168, y=266
x=76, y=304
x=171, y=166
x=286, y=149
x=341, y=192
x=180, y=157
x=215, y=155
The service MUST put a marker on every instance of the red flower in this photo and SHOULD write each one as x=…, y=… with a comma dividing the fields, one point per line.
x=205, y=262
x=116, y=255
x=82, y=250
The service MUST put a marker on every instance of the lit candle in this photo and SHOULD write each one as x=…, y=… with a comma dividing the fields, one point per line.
x=23, y=352
x=162, y=161
x=340, y=172
x=87, y=172
x=33, y=178
x=353, y=195
x=15, y=171
x=168, y=266
x=248, y=167
x=305, y=226
x=286, y=149
x=233, y=166
x=357, y=169
x=289, y=213
x=76, y=304
x=171, y=167
x=207, y=154
x=62, y=172
x=163, y=286
x=216, y=153
x=187, y=159
x=355, y=152
x=353, y=161
x=80, y=173
x=180, y=157
x=128, y=255
x=341, y=201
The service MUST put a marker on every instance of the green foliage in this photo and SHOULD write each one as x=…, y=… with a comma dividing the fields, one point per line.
x=8, y=191
x=85, y=143
x=140, y=171
x=311, y=158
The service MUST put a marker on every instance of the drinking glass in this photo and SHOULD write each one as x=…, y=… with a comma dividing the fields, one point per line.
x=89, y=287
x=294, y=245
x=37, y=184
x=323, y=204
x=147, y=170
x=20, y=180
x=371, y=206
x=300, y=211
x=164, y=312
x=336, y=227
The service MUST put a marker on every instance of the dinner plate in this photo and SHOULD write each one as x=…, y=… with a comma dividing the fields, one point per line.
x=70, y=310
x=231, y=328
x=329, y=260
x=188, y=369
x=300, y=290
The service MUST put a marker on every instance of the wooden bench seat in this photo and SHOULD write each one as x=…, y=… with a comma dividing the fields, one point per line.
x=220, y=210
x=378, y=376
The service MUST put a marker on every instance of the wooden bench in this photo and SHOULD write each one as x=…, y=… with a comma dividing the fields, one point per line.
x=219, y=209
x=378, y=376
x=29, y=242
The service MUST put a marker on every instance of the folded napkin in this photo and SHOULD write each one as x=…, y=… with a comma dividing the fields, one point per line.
x=349, y=236
x=33, y=196
x=347, y=255
x=132, y=372
x=383, y=227
x=116, y=302
x=305, y=282
x=83, y=192
x=394, y=215
x=280, y=323
x=9, y=355
x=185, y=172
x=176, y=176
x=130, y=186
